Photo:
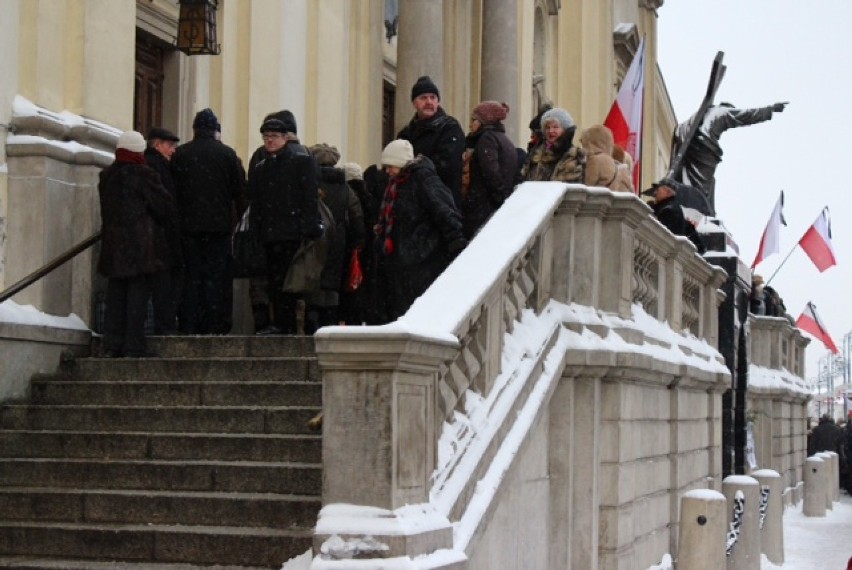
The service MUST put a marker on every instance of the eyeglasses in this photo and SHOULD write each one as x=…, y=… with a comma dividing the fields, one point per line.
x=271, y=136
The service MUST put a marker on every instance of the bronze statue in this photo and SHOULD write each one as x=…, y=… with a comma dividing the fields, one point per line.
x=703, y=153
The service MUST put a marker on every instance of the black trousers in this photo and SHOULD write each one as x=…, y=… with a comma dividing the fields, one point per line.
x=279, y=255
x=207, y=302
x=126, y=309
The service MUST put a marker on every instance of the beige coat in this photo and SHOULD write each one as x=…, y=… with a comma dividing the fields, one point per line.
x=601, y=168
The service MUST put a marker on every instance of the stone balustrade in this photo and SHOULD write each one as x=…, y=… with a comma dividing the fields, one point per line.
x=577, y=263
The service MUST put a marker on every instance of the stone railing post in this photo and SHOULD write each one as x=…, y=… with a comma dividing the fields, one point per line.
x=379, y=398
x=829, y=475
x=743, y=539
x=703, y=524
x=771, y=515
x=813, y=504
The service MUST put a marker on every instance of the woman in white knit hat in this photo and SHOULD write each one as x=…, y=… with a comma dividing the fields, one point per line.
x=419, y=230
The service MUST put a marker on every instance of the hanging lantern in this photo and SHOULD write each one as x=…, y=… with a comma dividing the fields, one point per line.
x=197, y=27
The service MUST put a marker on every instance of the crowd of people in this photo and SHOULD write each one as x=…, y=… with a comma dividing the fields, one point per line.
x=169, y=213
x=828, y=436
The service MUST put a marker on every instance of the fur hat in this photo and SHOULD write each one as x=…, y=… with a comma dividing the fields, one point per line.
x=162, y=134
x=285, y=117
x=352, y=171
x=397, y=153
x=559, y=115
x=423, y=85
x=132, y=141
x=205, y=120
x=325, y=155
x=491, y=112
x=273, y=126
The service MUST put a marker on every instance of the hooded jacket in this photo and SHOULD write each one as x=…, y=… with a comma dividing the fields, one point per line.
x=601, y=167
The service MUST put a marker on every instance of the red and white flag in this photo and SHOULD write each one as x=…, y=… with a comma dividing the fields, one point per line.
x=625, y=116
x=810, y=322
x=817, y=242
x=770, y=242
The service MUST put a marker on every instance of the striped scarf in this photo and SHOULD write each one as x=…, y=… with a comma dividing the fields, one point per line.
x=384, y=227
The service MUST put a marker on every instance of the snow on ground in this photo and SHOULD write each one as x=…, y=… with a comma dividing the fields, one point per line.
x=11, y=312
x=810, y=543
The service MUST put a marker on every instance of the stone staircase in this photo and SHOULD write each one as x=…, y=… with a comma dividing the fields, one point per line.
x=199, y=457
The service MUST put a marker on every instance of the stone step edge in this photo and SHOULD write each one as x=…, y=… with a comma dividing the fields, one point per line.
x=167, y=529
x=168, y=434
x=223, y=495
x=184, y=462
x=83, y=564
x=61, y=407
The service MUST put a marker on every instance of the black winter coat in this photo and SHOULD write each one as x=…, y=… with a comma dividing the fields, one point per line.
x=670, y=214
x=427, y=235
x=441, y=139
x=283, y=191
x=210, y=183
x=136, y=211
x=348, y=225
x=493, y=169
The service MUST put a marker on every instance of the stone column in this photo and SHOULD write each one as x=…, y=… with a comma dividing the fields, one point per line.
x=813, y=504
x=703, y=524
x=745, y=552
x=500, y=57
x=772, y=515
x=419, y=51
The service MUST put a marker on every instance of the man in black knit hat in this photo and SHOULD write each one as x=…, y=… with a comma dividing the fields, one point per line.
x=210, y=185
x=435, y=134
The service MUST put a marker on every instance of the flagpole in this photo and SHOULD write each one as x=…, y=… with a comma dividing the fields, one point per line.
x=777, y=269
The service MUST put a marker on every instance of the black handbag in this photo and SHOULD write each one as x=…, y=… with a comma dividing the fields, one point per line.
x=249, y=255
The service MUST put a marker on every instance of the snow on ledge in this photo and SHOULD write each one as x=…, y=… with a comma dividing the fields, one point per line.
x=11, y=312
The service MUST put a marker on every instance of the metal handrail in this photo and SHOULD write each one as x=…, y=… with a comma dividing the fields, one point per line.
x=50, y=266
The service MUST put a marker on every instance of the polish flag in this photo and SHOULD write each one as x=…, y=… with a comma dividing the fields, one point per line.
x=810, y=322
x=770, y=242
x=625, y=116
x=817, y=242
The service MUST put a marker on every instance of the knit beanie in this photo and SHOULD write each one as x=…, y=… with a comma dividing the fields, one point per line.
x=285, y=117
x=352, y=171
x=423, y=85
x=205, y=120
x=132, y=141
x=559, y=115
x=397, y=153
x=491, y=112
x=325, y=155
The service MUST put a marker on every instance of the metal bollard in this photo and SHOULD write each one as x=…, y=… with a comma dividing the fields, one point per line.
x=814, y=501
x=827, y=478
x=771, y=516
x=703, y=524
x=743, y=540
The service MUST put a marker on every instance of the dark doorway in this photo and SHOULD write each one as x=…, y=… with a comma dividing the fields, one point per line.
x=148, y=90
x=388, y=101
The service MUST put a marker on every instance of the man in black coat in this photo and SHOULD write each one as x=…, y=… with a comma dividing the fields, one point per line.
x=165, y=291
x=436, y=135
x=669, y=212
x=210, y=183
x=282, y=187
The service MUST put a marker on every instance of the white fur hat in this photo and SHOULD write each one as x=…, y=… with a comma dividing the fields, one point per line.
x=132, y=141
x=398, y=153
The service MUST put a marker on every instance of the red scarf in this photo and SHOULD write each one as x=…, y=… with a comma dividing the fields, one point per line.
x=384, y=227
x=122, y=155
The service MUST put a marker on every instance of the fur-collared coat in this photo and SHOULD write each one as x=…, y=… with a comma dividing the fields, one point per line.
x=561, y=162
